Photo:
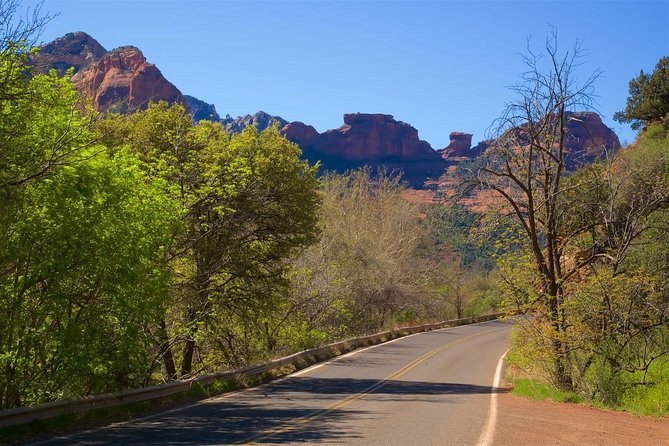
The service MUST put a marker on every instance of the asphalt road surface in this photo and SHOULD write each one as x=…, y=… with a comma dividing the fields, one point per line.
x=424, y=389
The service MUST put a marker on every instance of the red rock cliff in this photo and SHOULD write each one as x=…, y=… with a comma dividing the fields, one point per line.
x=364, y=137
x=124, y=80
x=588, y=139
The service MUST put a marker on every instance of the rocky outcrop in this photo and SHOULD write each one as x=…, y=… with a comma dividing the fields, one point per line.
x=300, y=133
x=260, y=119
x=375, y=140
x=75, y=50
x=368, y=137
x=459, y=145
x=201, y=110
x=123, y=80
x=588, y=139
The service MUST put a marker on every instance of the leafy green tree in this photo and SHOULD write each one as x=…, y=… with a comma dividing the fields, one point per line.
x=82, y=241
x=649, y=97
x=247, y=203
x=84, y=283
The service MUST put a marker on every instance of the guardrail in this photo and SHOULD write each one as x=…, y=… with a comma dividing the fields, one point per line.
x=24, y=415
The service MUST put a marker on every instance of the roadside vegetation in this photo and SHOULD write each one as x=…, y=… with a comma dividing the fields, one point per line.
x=586, y=257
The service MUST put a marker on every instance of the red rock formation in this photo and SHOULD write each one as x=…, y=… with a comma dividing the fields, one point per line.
x=374, y=140
x=74, y=50
x=124, y=80
x=300, y=133
x=588, y=139
x=365, y=137
x=459, y=145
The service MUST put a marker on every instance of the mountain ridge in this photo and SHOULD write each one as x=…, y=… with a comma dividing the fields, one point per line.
x=122, y=80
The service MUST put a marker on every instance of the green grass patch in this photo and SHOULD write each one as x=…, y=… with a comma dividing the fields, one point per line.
x=539, y=390
x=648, y=399
x=651, y=398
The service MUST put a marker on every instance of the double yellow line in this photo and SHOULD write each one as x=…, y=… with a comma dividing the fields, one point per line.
x=298, y=422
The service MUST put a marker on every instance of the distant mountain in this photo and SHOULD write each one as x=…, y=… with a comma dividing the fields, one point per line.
x=260, y=119
x=201, y=110
x=123, y=80
x=74, y=50
x=588, y=139
x=375, y=140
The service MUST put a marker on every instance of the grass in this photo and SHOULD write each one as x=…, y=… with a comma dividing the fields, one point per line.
x=539, y=390
x=651, y=399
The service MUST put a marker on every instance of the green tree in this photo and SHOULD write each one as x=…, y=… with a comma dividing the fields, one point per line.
x=84, y=283
x=247, y=204
x=82, y=240
x=648, y=97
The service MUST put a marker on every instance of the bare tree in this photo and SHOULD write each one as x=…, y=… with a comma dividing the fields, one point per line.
x=526, y=166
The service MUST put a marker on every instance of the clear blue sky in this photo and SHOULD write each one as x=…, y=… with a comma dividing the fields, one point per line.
x=440, y=66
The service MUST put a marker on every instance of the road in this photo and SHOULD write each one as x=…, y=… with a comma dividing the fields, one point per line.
x=428, y=388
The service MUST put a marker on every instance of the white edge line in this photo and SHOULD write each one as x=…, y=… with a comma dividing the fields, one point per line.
x=488, y=432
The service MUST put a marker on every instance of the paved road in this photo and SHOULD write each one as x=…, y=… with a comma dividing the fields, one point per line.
x=429, y=388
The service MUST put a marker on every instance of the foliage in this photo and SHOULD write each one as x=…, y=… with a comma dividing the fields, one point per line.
x=368, y=269
x=248, y=203
x=454, y=228
x=615, y=310
x=648, y=97
x=539, y=390
x=75, y=324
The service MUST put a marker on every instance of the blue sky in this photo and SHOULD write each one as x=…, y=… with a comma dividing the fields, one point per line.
x=440, y=66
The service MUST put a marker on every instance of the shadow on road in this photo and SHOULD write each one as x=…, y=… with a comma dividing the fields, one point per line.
x=221, y=423
x=289, y=410
x=345, y=386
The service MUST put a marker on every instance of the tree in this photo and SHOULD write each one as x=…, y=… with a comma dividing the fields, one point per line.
x=17, y=36
x=247, y=203
x=599, y=314
x=84, y=282
x=369, y=269
x=526, y=166
x=649, y=97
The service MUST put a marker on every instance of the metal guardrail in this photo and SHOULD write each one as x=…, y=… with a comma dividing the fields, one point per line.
x=24, y=415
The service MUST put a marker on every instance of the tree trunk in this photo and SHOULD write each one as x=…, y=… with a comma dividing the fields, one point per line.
x=168, y=357
x=189, y=348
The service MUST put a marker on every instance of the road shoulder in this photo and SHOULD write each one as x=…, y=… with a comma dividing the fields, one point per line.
x=523, y=421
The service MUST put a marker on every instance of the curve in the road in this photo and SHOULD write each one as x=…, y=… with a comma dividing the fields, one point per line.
x=346, y=401
x=428, y=388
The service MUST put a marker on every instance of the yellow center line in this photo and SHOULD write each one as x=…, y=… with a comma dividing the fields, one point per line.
x=297, y=422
